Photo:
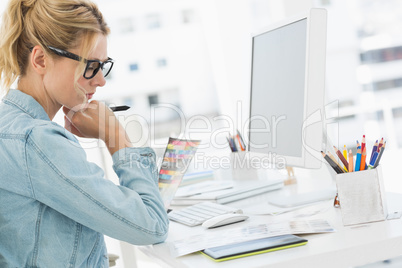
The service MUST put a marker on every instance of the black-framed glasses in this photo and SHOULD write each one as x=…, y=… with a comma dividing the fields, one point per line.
x=92, y=66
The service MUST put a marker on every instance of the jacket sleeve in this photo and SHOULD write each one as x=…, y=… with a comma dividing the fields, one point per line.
x=64, y=180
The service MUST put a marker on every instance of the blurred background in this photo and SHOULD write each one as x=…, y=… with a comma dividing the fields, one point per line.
x=184, y=68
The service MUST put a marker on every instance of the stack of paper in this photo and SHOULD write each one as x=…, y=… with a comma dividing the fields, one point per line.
x=240, y=190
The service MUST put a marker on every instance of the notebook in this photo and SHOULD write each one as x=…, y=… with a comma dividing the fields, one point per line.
x=253, y=247
x=176, y=159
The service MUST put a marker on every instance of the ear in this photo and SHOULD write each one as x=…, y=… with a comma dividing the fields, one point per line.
x=39, y=60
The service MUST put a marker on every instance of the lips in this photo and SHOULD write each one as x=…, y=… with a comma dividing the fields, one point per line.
x=89, y=95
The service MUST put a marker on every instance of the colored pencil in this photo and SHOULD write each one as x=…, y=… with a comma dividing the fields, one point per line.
x=336, y=162
x=377, y=162
x=332, y=163
x=342, y=158
x=232, y=140
x=240, y=143
x=241, y=140
x=363, y=159
x=363, y=142
x=350, y=158
x=372, y=161
x=345, y=152
x=380, y=144
x=358, y=158
x=374, y=150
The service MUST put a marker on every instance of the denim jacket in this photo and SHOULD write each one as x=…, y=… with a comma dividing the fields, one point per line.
x=55, y=206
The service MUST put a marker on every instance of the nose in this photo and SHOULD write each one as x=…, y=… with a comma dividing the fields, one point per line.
x=99, y=80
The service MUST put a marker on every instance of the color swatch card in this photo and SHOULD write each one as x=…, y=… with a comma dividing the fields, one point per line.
x=176, y=160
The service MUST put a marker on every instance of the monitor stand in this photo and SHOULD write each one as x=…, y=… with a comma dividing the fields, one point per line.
x=291, y=176
x=301, y=199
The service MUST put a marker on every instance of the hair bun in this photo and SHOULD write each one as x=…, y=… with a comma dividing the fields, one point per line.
x=28, y=3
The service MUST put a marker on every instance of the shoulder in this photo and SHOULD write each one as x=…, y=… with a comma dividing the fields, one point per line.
x=47, y=134
x=42, y=128
x=54, y=145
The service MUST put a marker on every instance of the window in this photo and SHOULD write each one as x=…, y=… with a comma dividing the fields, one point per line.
x=397, y=112
x=134, y=67
x=383, y=85
x=153, y=21
x=153, y=99
x=126, y=25
x=161, y=62
x=381, y=55
x=325, y=2
x=188, y=16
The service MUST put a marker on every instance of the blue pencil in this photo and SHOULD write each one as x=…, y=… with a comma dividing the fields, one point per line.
x=377, y=162
x=374, y=150
x=373, y=159
x=358, y=158
x=375, y=155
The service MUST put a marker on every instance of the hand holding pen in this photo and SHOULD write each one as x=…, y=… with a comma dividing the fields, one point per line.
x=95, y=120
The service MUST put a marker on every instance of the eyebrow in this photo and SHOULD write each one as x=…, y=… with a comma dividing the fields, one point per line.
x=90, y=58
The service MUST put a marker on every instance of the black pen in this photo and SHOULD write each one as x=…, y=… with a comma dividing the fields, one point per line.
x=119, y=108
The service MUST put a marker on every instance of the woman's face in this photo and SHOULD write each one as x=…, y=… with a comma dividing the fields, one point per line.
x=59, y=80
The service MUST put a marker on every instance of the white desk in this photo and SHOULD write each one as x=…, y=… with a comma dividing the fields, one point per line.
x=347, y=247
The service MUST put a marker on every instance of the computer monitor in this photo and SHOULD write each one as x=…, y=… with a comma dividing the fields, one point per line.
x=287, y=90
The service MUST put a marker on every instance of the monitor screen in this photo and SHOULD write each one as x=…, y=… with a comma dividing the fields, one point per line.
x=287, y=86
x=278, y=80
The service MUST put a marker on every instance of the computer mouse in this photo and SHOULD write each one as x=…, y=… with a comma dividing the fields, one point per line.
x=224, y=220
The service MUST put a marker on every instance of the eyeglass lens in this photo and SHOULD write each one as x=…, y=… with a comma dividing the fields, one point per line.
x=93, y=68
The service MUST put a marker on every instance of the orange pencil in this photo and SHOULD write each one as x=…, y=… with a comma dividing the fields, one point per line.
x=350, y=158
x=240, y=143
x=363, y=160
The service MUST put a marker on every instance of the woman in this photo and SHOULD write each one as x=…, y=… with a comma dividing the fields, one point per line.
x=54, y=204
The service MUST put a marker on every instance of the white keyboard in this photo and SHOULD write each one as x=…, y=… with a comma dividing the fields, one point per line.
x=196, y=214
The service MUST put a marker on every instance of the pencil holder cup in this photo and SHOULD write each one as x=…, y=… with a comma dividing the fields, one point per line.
x=362, y=196
x=243, y=166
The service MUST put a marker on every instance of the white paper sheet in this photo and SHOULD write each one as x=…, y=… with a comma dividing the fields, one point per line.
x=236, y=235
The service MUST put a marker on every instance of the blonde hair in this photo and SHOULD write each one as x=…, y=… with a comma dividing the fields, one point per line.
x=62, y=24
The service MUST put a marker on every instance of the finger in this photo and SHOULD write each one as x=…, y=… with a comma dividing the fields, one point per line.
x=69, y=113
x=67, y=124
x=71, y=128
x=80, y=107
x=65, y=110
x=92, y=107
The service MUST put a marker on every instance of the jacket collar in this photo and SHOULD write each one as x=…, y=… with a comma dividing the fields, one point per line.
x=25, y=103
